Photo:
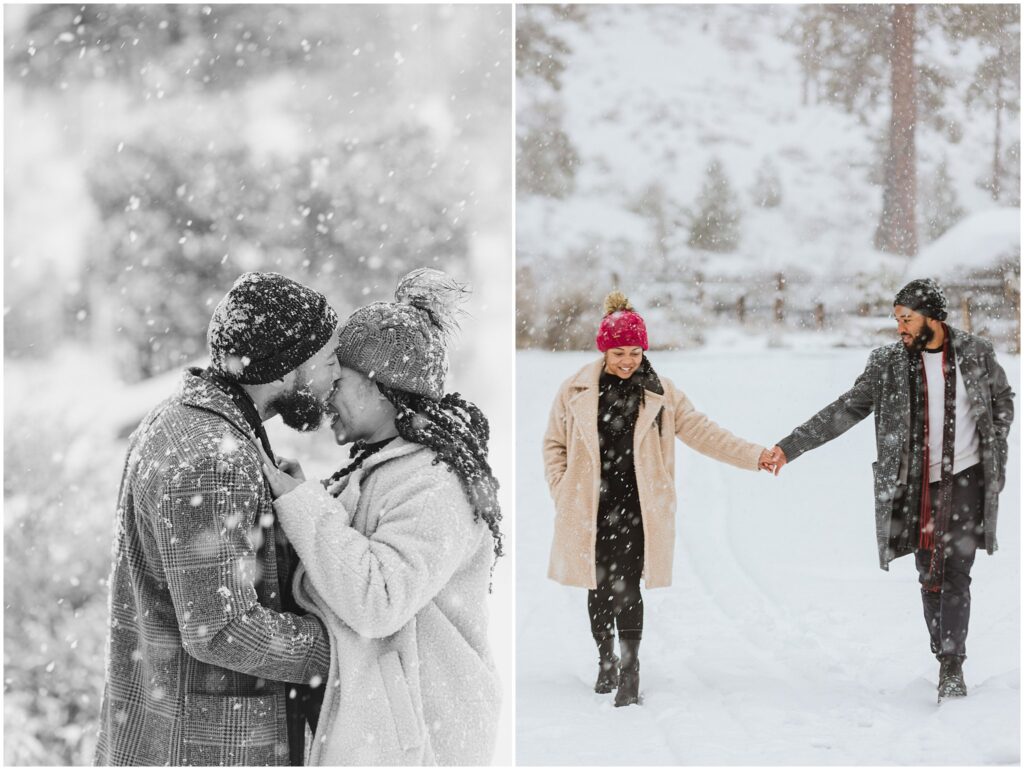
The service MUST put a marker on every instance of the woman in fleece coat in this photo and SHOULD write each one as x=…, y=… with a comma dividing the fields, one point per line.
x=397, y=552
x=609, y=462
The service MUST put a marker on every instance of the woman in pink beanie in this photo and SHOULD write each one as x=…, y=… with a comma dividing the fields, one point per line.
x=609, y=462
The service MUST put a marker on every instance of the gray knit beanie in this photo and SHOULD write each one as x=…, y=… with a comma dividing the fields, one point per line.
x=266, y=326
x=404, y=344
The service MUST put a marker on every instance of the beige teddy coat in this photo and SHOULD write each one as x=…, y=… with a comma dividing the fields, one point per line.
x=399, y=570
x=573, y=470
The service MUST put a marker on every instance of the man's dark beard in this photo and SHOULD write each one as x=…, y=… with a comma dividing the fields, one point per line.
x=920, y=342
x=299, y=409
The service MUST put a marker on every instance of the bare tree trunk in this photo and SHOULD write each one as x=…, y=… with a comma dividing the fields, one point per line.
x=897, y=228
x=997, y=170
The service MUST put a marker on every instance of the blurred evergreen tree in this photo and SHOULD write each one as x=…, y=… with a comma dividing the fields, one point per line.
x=168, y=47
x=716, y=223
x=546, y=159
x=996, y=81
x=942, y=210
x=767, y=190
x=183, y=217
x=854, y=55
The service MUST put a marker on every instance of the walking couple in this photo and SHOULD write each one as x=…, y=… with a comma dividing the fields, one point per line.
x=943, y=409
x=246, y=602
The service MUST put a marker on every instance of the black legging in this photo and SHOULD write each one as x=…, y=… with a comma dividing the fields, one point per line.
x=617, y=601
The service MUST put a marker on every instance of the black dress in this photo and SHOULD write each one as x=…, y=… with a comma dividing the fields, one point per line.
x=619, y=554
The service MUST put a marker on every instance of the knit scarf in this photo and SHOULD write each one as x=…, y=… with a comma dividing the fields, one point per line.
x=933, y=529
x=644, y=379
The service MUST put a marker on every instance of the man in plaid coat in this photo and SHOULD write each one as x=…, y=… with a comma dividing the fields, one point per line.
x=943, y=409
x=206, y=660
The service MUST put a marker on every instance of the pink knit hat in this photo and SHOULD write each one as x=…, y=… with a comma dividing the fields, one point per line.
x=621, y=326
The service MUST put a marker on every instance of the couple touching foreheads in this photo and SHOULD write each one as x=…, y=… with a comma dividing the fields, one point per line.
x=247, y=603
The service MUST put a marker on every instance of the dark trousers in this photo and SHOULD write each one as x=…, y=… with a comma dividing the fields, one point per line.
x=617, y=602
x=948, y=611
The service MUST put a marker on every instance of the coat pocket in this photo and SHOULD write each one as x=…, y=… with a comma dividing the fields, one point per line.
x=403, y=711
x=886, y=488
x=232, y=730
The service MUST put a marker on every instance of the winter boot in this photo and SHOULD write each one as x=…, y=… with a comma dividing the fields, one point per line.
x=608, y=667
x=951, y=678
x=629, y=673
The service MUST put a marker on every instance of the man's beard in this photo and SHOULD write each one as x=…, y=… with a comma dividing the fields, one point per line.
x=919, y=342
x=300, y=409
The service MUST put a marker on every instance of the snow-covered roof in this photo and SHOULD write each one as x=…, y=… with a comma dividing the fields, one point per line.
x=980, y=241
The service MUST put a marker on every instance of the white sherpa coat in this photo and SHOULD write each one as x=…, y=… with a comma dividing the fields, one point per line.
x=399, y=571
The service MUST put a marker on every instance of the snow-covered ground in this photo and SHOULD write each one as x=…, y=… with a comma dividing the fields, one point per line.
x=780, y=641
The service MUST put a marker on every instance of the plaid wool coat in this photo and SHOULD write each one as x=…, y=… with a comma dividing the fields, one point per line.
x=884, y=389
x=199, y=655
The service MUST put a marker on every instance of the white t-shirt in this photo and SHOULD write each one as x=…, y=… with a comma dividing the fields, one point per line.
x=965, y=450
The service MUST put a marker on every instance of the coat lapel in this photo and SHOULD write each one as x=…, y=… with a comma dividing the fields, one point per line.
x=583, y=406
x=584, y=413
x=653, y=403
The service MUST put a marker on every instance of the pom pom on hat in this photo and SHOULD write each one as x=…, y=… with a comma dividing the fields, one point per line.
x=616, y=300
x=436, y=293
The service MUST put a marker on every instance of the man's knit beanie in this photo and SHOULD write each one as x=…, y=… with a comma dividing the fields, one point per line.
x=621, y=326
x=925, y=296
x=266, y=326
x=404, y=344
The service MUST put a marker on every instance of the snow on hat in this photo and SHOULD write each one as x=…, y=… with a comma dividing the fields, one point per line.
x=266, y=326
x=925, y=296
x=404, y=344
x=621, y=326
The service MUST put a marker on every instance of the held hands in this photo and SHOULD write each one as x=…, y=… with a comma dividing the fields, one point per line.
x=284, y=476
x=772, y=460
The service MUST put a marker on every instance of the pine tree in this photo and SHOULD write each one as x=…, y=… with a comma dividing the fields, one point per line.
x=996, y=82
x=546, y=159
x=767, y=190
x=942, y=210
x=716, y=225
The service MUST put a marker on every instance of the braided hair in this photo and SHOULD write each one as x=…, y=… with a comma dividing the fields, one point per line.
x=360, y=452
x=457, y=432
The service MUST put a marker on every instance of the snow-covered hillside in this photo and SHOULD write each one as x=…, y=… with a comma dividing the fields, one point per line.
x=651, y=94
x=780, y=641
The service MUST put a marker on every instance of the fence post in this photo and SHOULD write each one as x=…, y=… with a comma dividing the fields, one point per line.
x=1011, y=291
x=780, y=299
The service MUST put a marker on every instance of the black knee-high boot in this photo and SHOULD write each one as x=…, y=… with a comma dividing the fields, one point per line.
x=629, y=673
x=608, y=666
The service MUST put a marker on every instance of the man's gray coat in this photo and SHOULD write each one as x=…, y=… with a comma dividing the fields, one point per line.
x=884, y=388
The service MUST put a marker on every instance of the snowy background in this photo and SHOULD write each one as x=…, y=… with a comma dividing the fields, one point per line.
x=780, y=641
x=152, y=154
x=724, y=166
x=727, y=163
